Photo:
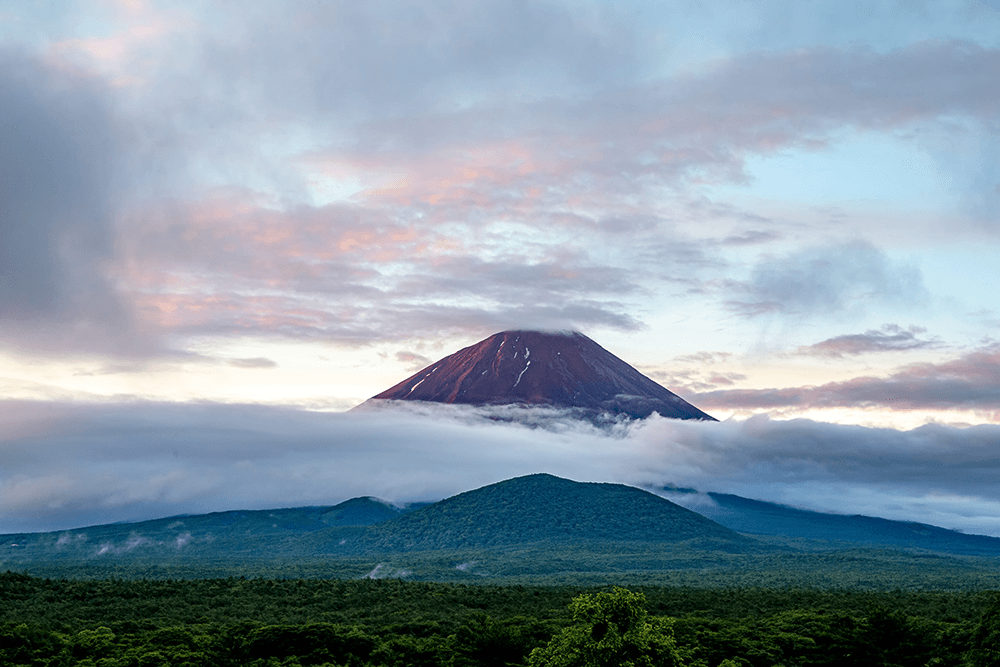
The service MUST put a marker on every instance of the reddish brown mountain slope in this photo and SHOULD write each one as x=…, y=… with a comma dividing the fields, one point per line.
x=535, y=368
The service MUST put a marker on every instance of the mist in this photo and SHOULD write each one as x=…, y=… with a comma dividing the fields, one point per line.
x=71, y=465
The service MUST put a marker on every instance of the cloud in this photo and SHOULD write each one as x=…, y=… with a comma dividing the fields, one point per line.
x=892, y=338
x=253, y=362
x=704, y=357
x=525, y=209
x=827, y=280
x=505, y=106
x=694, y=380
x=681, y=131
x=413, y=361
x=351, y=60
x=509, y=180
x=58, y=172
x=751, y=237
x=351, y=274
x=69, y=465
x=966, y=383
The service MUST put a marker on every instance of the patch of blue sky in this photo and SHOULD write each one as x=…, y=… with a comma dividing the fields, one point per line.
x=696, y=34
x=860, y=170
x=964, y=272
x=39, y=22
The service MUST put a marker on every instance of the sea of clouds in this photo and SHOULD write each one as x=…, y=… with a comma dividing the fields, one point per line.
x=68, y=465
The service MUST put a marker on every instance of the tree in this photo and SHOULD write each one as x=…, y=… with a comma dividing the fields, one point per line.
x=486, y=642
x=611, y=629
x=985, y=650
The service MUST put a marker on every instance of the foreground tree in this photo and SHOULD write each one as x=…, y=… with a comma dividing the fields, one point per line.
x=985, y=650
x=611, y=629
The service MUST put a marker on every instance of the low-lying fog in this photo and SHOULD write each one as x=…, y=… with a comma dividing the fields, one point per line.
x=72, y=465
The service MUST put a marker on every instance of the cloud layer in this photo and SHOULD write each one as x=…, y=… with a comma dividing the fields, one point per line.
x=70, y=465
x=477, y=181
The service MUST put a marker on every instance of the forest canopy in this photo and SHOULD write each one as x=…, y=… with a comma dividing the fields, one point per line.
x=268, y=622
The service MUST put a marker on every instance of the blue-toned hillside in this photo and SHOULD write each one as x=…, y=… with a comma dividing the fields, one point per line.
x=758, y=517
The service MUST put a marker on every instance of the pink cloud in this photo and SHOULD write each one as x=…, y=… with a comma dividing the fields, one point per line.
x=892, y=338
x=691, y=129
x=966, y=383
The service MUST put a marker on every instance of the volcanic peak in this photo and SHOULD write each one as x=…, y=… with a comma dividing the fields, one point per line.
x=565, y=369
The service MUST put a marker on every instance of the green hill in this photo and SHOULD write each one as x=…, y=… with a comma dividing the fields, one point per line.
x=365, y=512
x=543, y=509
x=252, y=534
x=536, y=511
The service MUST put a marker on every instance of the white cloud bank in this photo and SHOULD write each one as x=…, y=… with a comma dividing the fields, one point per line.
x=71, y=465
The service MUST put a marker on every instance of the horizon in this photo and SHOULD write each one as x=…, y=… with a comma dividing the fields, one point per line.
x=222, y=229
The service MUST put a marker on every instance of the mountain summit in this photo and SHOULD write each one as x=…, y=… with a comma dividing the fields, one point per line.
x=543, y=508
x=566, y=370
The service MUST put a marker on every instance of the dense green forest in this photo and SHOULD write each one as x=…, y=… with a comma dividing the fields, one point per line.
x=268, y=622
x=798, y=563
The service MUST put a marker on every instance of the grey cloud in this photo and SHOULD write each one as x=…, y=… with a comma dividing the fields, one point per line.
x=823, y=88
x=69, y=465
x=585, y=92
x=934, y=473
x=349, y=58
x=351, y=274
x=258, y=247
x=937, y=456
x=253, y=362
x=583, y=145
x=58, y=175
x=818, y=281
x=394, y=317
x=751, y=237
x=704, y=357
x=966, y=383
x=699, y=127
x=891, y=338
x=435, y=321
x=514, y=279
x=273, y=72
x=696, y=380
x=425, y=88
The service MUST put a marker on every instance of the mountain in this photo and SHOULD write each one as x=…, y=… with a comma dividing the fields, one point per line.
x=533, y=529
x=232, y=534
x=758, y=517
x=365, y=512
x=566, y=370
x=544, y=509
x=537, y=511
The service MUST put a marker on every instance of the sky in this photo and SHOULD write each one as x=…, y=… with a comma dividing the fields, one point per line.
x=223, y=225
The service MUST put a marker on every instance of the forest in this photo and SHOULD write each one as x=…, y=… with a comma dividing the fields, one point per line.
x=265, y=622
